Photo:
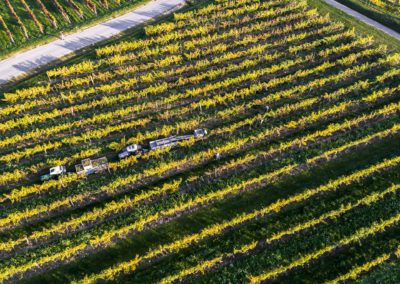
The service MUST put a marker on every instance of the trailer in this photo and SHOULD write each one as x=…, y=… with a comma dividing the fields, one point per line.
x=89, y=166
x=172, y=140
x=54, y=172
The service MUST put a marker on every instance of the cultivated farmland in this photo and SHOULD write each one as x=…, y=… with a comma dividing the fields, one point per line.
x=296, y=180
x=24, y=21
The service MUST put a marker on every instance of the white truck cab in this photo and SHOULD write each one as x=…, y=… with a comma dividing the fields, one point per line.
x=133, y=148
x=59, y=170
x=54, y=172
x=200, y=133
x=130, y=150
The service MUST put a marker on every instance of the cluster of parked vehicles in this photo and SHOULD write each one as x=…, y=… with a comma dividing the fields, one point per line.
x=92, y=166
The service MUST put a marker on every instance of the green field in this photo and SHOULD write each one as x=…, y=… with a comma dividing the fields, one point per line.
x=297, y=180
x=386, y=12
x=24, y=23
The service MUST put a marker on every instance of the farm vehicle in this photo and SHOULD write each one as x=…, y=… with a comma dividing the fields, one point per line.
x=54, y=172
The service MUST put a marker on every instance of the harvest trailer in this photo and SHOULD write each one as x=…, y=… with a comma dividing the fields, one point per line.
x=171, y=141
x=89, y=166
